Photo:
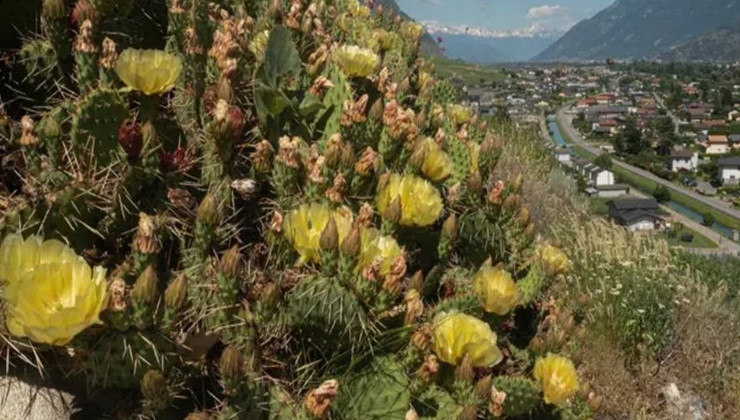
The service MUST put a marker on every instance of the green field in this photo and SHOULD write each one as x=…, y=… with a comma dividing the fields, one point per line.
x=470, y=73
x=700, y=241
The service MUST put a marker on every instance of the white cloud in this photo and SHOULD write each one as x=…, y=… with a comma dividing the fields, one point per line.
x=545, y=11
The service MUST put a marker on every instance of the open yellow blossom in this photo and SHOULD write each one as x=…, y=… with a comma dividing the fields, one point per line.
x=374, y=246
x=383, y=40
x=558, y=378
x=553, y=259
x=355, y=61
x=303, y=227
x=496, y=290
x=457, y=334
x=410, y=30
x=459, y=114
x=358, y=10
x=421, y=204
x=437, y=165
x=51, y=293
x=149, y=71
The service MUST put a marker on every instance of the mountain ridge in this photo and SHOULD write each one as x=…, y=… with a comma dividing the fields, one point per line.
x=640, y=29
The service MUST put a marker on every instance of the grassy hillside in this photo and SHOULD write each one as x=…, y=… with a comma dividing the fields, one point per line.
x=469, y=72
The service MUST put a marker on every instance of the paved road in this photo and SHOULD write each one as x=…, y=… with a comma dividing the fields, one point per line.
x=714, y=203
x=669, y=113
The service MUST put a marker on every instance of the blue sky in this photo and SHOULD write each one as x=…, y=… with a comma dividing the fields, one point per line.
x=504, y=15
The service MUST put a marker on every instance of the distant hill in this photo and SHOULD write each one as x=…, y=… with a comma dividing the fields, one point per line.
x=485, y=50
x=428, y=44
x=645, y=29
x=721, y=44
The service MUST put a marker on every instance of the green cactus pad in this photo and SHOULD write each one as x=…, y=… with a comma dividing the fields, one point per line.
x=379, y=392
x=96, y=123
x=325, y=312
x=522, y=395
x=531, y=285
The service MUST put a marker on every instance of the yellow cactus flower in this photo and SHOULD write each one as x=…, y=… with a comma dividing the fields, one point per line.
x=356, y=61
x=384, y=40
x=149, y=71
x=459, y=114
x=558, y=378
x=496, y=290
x=553, y=259
x=374, y=246
x=437, y=165
x=358, y=10
x=457, y=334
x=421, y=204
x=303, y=227
x=411, y=30
x=52, y=294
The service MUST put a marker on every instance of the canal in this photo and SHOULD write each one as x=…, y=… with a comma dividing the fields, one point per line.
x=691, y=214
x=559, y=140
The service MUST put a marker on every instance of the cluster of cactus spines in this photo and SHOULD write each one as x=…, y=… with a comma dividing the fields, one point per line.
x=242, y=219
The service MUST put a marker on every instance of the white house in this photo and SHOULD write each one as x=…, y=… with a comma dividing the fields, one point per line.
x=636, y=214
x=717, y=145
x=562, y=155
x=612, y=191
x=600, y=176
x=729, y=170
x=684, y=160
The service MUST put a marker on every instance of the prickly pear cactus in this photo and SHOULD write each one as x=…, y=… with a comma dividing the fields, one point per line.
x=282, y=216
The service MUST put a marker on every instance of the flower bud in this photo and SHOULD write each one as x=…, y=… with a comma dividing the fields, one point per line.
x=197, y=416
x=149, y=135
x=154, y=387
x=270, y=295
x=208, y=210
x=368, y=163
x=230, y=364
x=449, y=227
x=224, y=91
x=417, y=281
x=231, y=262
x=49, y=128
x=145, y=288
x=475, y=183
x=483, y=387
x=530, y=231
x=523, y=216
x=53, y=10
x=334, y=149
x=517, y=184
x=376, y=110
x=411, y=415
x=348, y=156
x=275, y=11
x=262, y=156
x=329, y=236
x=405, y=85
x=351, y=244
x=469, y=412
x=464, y=371
x=512, y=202
x=176, y=293
x=394, y=211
